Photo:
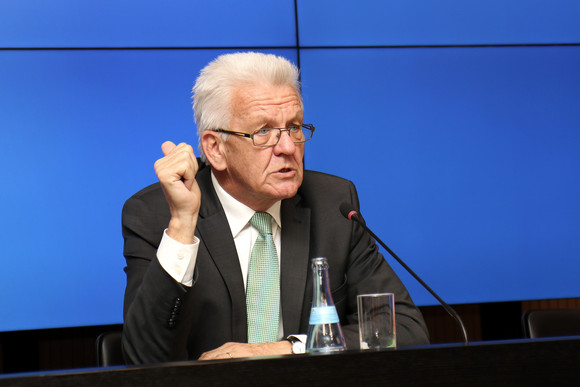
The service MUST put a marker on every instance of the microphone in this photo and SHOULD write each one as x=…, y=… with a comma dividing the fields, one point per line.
x=348, y=212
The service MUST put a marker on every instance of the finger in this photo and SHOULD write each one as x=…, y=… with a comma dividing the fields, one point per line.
x=179, y=159
x=213, y=355
x=190, y=172
x=222, y=352
x=167, y=147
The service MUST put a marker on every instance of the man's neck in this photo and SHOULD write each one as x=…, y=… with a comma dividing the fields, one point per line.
x=237, y=213
x=256, y=204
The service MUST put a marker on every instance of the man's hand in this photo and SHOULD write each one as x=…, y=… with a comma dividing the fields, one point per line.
x=176, y=173
x=232, y=350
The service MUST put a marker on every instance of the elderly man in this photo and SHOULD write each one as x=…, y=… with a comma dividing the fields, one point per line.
x=197, y=286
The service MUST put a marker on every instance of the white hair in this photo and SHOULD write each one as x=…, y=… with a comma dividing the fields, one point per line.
x=213, y=89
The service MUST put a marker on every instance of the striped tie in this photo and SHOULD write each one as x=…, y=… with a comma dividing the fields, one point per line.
x=263, y=288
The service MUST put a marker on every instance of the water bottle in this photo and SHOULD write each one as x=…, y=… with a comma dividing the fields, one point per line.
x=324, y=331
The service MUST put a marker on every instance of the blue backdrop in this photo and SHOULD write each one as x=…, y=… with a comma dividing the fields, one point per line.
x=457, y=121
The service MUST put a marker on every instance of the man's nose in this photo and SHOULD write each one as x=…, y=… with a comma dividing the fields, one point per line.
x=285, y=143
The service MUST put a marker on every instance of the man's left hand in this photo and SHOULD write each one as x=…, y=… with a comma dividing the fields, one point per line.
x=233, y=350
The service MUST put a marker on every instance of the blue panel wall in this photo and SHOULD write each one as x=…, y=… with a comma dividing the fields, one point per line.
x=426, y=22
x=152, y=23
x=81, y=131
x=467, y=161
x=465, y=157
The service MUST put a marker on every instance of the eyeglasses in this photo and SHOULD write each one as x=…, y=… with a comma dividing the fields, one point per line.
x=267, y=137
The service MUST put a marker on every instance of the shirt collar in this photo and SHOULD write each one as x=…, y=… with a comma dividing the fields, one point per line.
x=237, y=213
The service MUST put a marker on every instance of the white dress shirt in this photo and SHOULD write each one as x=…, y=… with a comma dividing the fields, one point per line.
x=179, y=259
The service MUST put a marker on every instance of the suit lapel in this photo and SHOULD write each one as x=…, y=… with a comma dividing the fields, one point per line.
x=212, y=226
x=294, y=261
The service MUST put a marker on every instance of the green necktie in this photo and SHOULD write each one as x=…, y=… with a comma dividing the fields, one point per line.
x=263, y=288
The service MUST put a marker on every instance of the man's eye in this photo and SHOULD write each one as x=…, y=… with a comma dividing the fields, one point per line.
x=294, y=128
x=263, y=131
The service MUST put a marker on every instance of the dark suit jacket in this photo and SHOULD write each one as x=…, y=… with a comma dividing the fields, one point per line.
x=165, y=320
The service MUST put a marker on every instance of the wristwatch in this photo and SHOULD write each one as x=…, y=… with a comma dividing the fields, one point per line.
x=298, y=346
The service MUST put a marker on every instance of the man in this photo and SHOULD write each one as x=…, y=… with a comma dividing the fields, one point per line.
x=190, y=239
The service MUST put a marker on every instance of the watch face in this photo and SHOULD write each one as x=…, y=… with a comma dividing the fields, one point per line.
x=298, y=347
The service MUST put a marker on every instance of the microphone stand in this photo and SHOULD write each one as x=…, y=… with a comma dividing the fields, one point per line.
x=353, y=215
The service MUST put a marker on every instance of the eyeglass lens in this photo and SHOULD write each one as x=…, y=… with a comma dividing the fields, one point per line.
x=271, y=136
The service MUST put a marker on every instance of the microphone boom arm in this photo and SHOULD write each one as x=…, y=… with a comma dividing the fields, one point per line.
x=353, y=215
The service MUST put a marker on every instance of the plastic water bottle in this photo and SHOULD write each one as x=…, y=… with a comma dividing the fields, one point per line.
x=324, y=331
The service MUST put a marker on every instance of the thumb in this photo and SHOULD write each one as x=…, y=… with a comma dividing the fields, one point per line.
x=167, y=147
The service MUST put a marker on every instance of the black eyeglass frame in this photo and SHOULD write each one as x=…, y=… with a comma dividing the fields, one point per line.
x=310, y=127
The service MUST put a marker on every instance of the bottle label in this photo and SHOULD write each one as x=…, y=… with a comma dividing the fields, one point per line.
x=323, y=315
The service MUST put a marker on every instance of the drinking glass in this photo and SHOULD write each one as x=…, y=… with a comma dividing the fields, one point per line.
x=376, y=321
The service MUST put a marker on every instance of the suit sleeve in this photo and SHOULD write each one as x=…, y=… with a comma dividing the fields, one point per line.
x=154, y=327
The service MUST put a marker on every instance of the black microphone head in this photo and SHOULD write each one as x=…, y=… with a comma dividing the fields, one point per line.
x=347, y=210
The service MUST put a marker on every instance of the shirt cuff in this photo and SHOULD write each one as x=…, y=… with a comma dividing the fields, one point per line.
x=298, y=343
x=178, y=259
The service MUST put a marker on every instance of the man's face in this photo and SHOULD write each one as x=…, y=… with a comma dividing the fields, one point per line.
x=258, y=177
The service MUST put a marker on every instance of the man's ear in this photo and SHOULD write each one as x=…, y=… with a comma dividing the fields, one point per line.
x=213, y=147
